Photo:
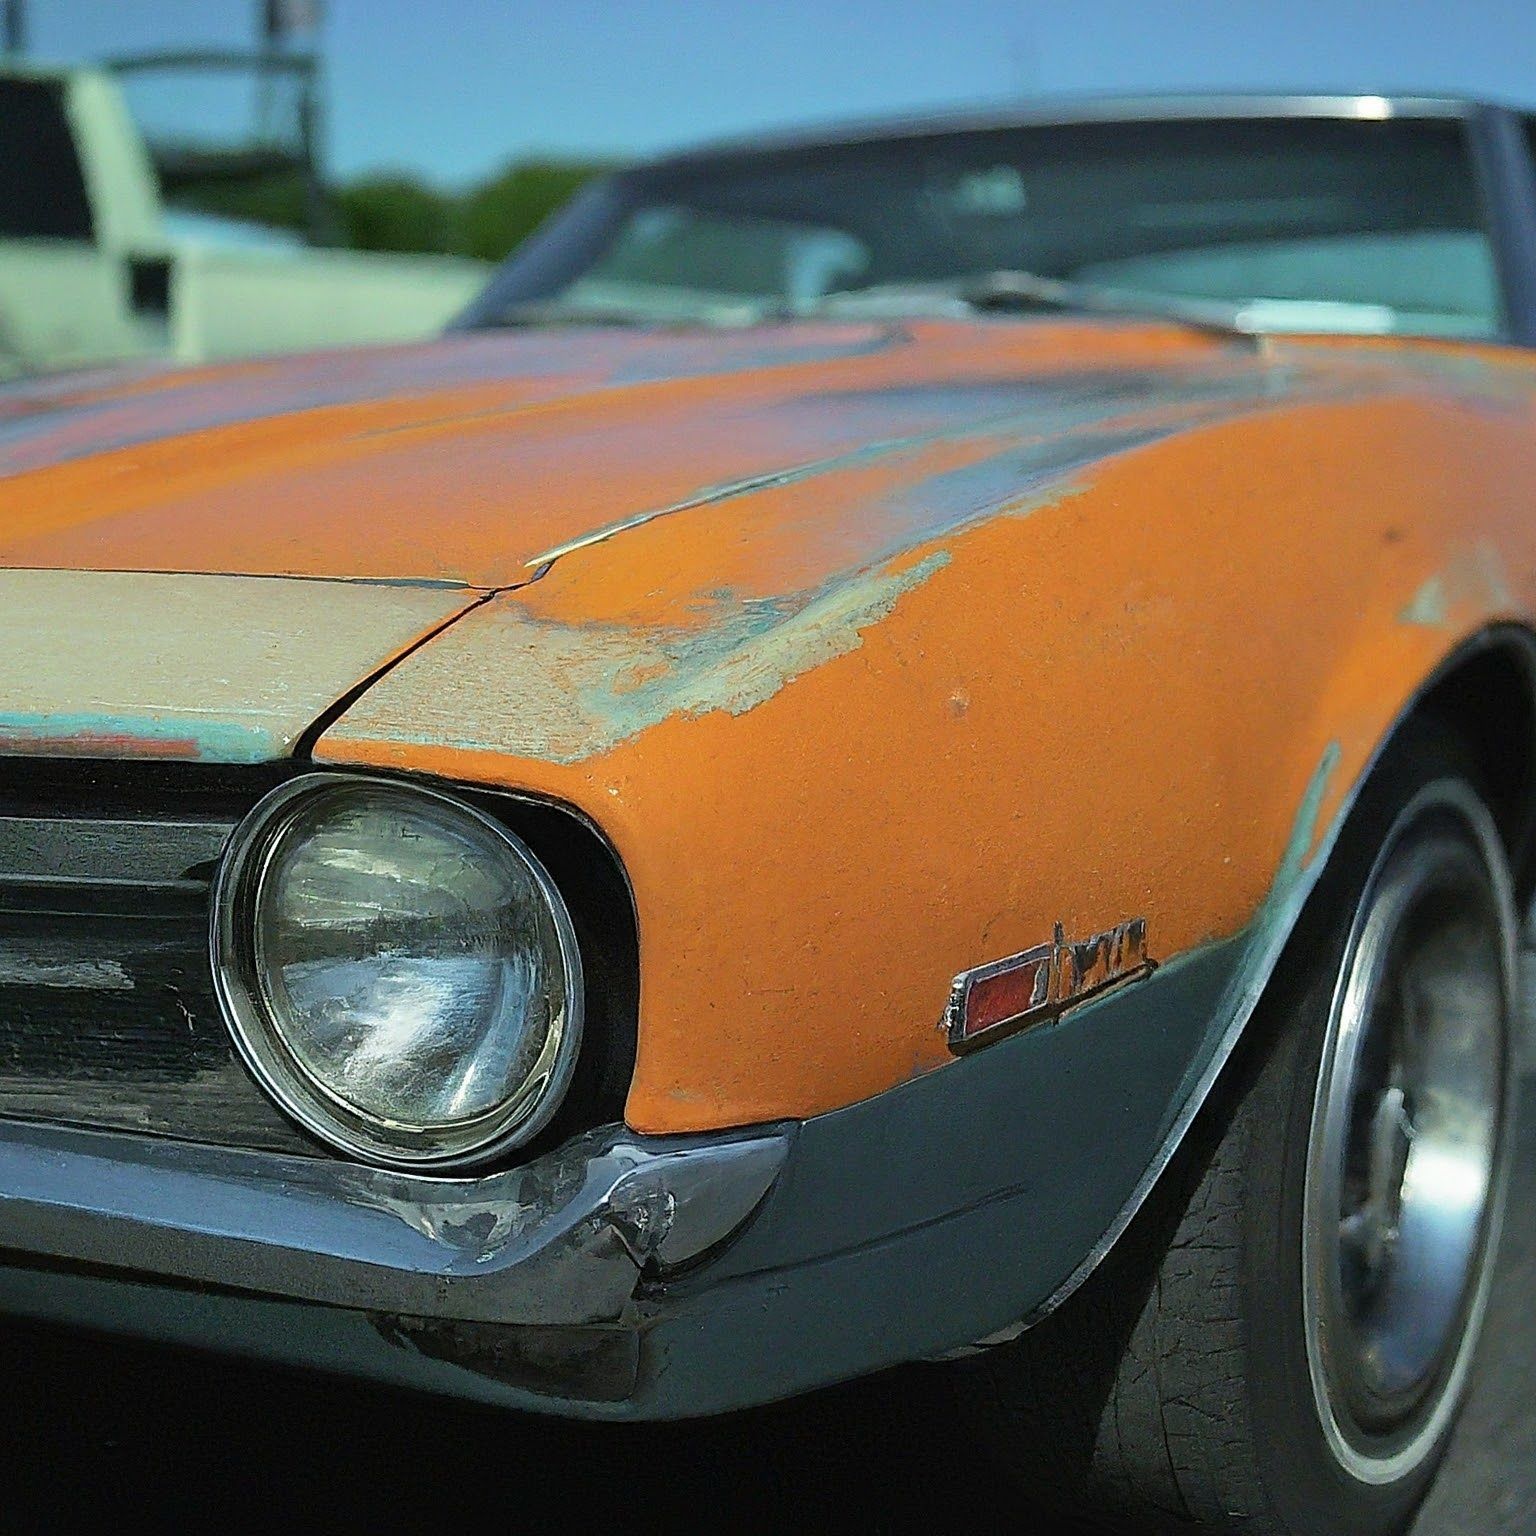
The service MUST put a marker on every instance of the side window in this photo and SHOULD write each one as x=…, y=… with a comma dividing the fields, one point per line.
x=42, y=190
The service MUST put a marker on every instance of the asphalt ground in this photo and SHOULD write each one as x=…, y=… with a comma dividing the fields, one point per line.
x=95, y=1431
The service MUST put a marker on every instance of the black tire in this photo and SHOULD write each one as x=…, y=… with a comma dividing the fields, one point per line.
x=1173, y=1392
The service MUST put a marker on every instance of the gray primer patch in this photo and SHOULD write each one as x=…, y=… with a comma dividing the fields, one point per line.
x=1475, y=576
x=564, y=692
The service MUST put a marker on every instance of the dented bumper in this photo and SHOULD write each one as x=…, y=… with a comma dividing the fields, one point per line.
x=538, y=1264
x=625, y=1276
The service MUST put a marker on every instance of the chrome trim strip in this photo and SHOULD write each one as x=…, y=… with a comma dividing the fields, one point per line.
x=1064, y=111
x=560, y=1241
x=1066, y=973
x=161, y=855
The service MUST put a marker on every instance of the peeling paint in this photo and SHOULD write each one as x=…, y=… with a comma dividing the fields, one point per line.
x=50, y=422
x=1428, y=606
x=1263, y=937
x=1269, y=926
x=1182, y=621
x=1198, y=621
x=473, y=464
x=562, y=693
x=737, y=676
x=1302, y=844
x=100, y=735
x=1041, y=429
x=1475, y=579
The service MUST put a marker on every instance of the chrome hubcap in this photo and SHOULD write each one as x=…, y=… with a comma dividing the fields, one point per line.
x=1404, y=1158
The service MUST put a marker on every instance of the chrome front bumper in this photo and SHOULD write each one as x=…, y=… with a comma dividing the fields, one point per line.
x=627, y=1277
x=561, y=1242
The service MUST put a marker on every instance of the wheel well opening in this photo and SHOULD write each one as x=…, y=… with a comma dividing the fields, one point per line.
x=1489, y=701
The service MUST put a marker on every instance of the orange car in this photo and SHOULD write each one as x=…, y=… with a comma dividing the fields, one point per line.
x=905, y=746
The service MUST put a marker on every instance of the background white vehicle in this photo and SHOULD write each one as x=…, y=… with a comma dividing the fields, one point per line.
x=95, y=268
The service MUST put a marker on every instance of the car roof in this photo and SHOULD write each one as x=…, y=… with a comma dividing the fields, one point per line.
x=1067, y=110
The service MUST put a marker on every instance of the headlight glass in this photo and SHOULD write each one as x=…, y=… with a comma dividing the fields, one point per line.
x=398, y=969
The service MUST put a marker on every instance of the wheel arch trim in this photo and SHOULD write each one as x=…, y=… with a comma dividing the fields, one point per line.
x=1269, y=932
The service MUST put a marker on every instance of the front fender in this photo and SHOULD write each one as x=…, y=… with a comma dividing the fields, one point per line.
x=1082, y=701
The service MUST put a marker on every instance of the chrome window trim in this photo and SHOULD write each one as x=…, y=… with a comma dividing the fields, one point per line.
x=1064, y=111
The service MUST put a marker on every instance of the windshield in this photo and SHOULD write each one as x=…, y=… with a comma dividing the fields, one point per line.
x=1311, y=224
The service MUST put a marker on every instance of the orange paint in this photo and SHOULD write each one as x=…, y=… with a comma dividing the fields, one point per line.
x=463, y=471
x=1154, y=663
x=1041, y=623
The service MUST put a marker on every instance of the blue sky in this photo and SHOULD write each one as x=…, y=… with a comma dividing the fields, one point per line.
x=452, y=88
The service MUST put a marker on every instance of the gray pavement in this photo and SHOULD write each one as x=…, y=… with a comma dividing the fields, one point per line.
x=111, y=1427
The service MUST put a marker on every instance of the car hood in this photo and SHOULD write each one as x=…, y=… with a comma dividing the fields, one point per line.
x=476, y=459
x=205, y=564
x=217, y=668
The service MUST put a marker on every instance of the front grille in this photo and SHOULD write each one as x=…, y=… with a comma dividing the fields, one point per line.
x=108, y=1016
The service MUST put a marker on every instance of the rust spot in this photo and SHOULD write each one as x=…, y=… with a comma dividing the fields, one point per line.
x=98, y=744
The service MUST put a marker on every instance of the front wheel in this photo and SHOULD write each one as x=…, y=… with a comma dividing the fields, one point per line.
x=1281, y=1345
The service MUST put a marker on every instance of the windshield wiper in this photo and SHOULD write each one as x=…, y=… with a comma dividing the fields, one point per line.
x=1009, y=288
x=1016, y=289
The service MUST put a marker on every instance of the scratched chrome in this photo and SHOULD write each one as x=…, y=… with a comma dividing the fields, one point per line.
x=559, y=1241
x=107, y=1012
x=53, y=850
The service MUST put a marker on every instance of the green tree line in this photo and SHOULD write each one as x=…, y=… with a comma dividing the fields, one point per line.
x=395, y=211
x=399, y=213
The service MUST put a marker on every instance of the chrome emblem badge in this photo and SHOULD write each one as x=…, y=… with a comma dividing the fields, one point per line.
x=1011, y=994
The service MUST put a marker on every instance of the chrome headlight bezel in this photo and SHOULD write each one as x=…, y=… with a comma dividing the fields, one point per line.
x=259, y=1036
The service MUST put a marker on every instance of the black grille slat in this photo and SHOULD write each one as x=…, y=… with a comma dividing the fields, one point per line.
x=108, y=997
x=46, y=851
x=108, y=1015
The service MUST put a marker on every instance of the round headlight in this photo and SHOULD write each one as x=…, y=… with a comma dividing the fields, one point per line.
x=398, y=970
